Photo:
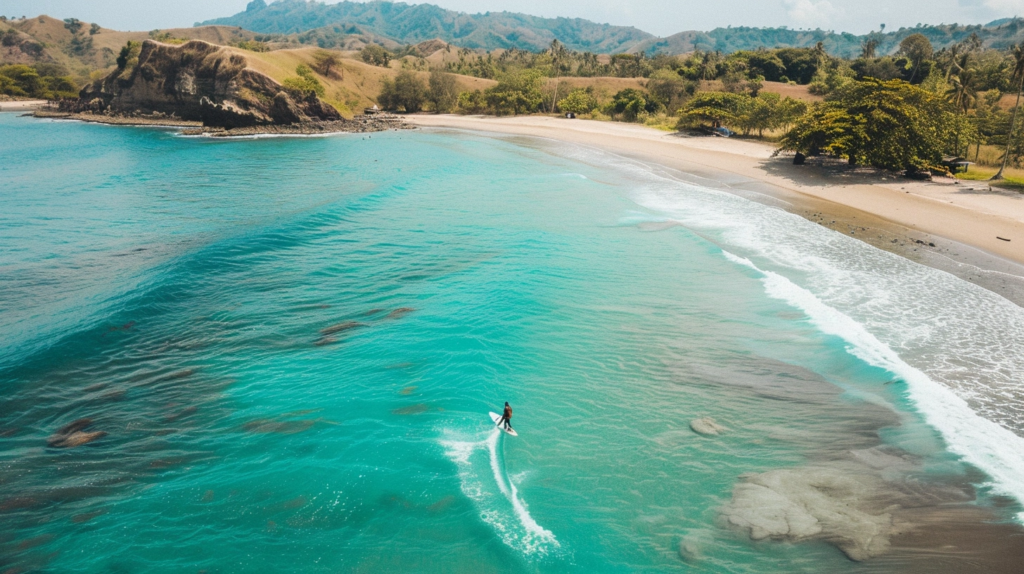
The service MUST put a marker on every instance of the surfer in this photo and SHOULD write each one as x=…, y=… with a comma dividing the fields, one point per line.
x=506, y=417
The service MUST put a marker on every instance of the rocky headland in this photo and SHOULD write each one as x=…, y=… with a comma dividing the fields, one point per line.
x=207, y=88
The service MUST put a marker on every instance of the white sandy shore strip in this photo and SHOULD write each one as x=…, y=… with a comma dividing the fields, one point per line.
x=968, y=213
x=21, y=105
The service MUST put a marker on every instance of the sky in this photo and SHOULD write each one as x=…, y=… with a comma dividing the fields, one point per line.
x=660, y=17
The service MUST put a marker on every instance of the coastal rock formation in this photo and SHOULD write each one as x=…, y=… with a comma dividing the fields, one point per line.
x=823, y=503
x=706, y=426
x=197, y=81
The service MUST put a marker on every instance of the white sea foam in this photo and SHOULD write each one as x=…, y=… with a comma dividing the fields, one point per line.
x=959, y=347
x=979, y=441
x=502, y=509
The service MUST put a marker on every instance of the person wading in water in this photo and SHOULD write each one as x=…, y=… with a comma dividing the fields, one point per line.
x=506, y=417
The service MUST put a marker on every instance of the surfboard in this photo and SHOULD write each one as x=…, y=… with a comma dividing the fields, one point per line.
x=495, y=417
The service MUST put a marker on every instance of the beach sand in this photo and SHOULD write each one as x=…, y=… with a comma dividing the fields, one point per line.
x=21, y=105
x=952, y=226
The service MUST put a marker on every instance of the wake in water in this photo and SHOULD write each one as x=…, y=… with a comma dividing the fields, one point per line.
x=484, y=480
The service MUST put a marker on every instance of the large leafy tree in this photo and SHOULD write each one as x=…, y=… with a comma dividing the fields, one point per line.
x=443, y=92
x=578, y=101
x=631, y=103
x=916, y=48
x=407, y=91
x=887, y=124
x=517, y=92
x=714, y=108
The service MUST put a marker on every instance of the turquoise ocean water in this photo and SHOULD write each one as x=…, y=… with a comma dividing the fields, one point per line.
x=293, y=343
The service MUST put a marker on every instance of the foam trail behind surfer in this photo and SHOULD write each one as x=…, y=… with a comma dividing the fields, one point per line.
x=498, y=500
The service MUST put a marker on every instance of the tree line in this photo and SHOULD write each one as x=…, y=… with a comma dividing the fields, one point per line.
x=904, y=110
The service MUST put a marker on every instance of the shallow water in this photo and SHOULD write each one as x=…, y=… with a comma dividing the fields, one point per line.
x=292, y=345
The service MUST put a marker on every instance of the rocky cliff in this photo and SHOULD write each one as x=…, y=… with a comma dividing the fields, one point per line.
x=198, y=81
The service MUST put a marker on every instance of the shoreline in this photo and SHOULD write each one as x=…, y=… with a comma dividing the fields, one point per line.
x=949, y=226
x=359, y=124
x=21, y=105
x=963, y=531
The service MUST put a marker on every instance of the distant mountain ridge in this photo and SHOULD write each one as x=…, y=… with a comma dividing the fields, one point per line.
x=415, y=23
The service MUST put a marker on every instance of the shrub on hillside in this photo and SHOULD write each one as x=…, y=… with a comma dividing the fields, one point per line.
x=305, y=84
x=406, y=92
x=375, y=55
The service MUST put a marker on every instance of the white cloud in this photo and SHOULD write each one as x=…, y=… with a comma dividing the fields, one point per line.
x=816, y=13
x=1006, y=7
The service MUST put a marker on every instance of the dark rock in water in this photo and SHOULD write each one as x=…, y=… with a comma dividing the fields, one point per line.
x=74, y=434
x=372, y=312
x=400, y=312
x=323, y=341
x=86, y=516
x=179, y=375
x=271, y=426
x=197, y=81
x=411, y=410
x=340, y=327
x=181, y=414
x=442, y=505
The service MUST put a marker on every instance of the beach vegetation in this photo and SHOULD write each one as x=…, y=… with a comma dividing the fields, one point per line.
x=669, y=89
x=631, y=105
x=889, y=124
x=45, y=81
x=517, y=92
x=406, y=92
x=578, y=101
x=304, y=84
x=443, y=92
x=713, y=109
x=472, y=102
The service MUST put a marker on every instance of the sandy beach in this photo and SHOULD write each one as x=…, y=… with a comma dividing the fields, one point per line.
x=969, y=213
x=21, y=105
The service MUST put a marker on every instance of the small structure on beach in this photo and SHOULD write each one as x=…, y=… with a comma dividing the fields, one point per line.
x=956, y=164
x=371, y=111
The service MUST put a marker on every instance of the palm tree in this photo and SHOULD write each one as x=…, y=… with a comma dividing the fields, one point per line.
x=558, y=54
x=709, y=66
x=1018, y=74
x=963, y=95
x=867, y=50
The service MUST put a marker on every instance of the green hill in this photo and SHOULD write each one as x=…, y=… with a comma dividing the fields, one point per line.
x=411, y=24
x=1000, y=34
